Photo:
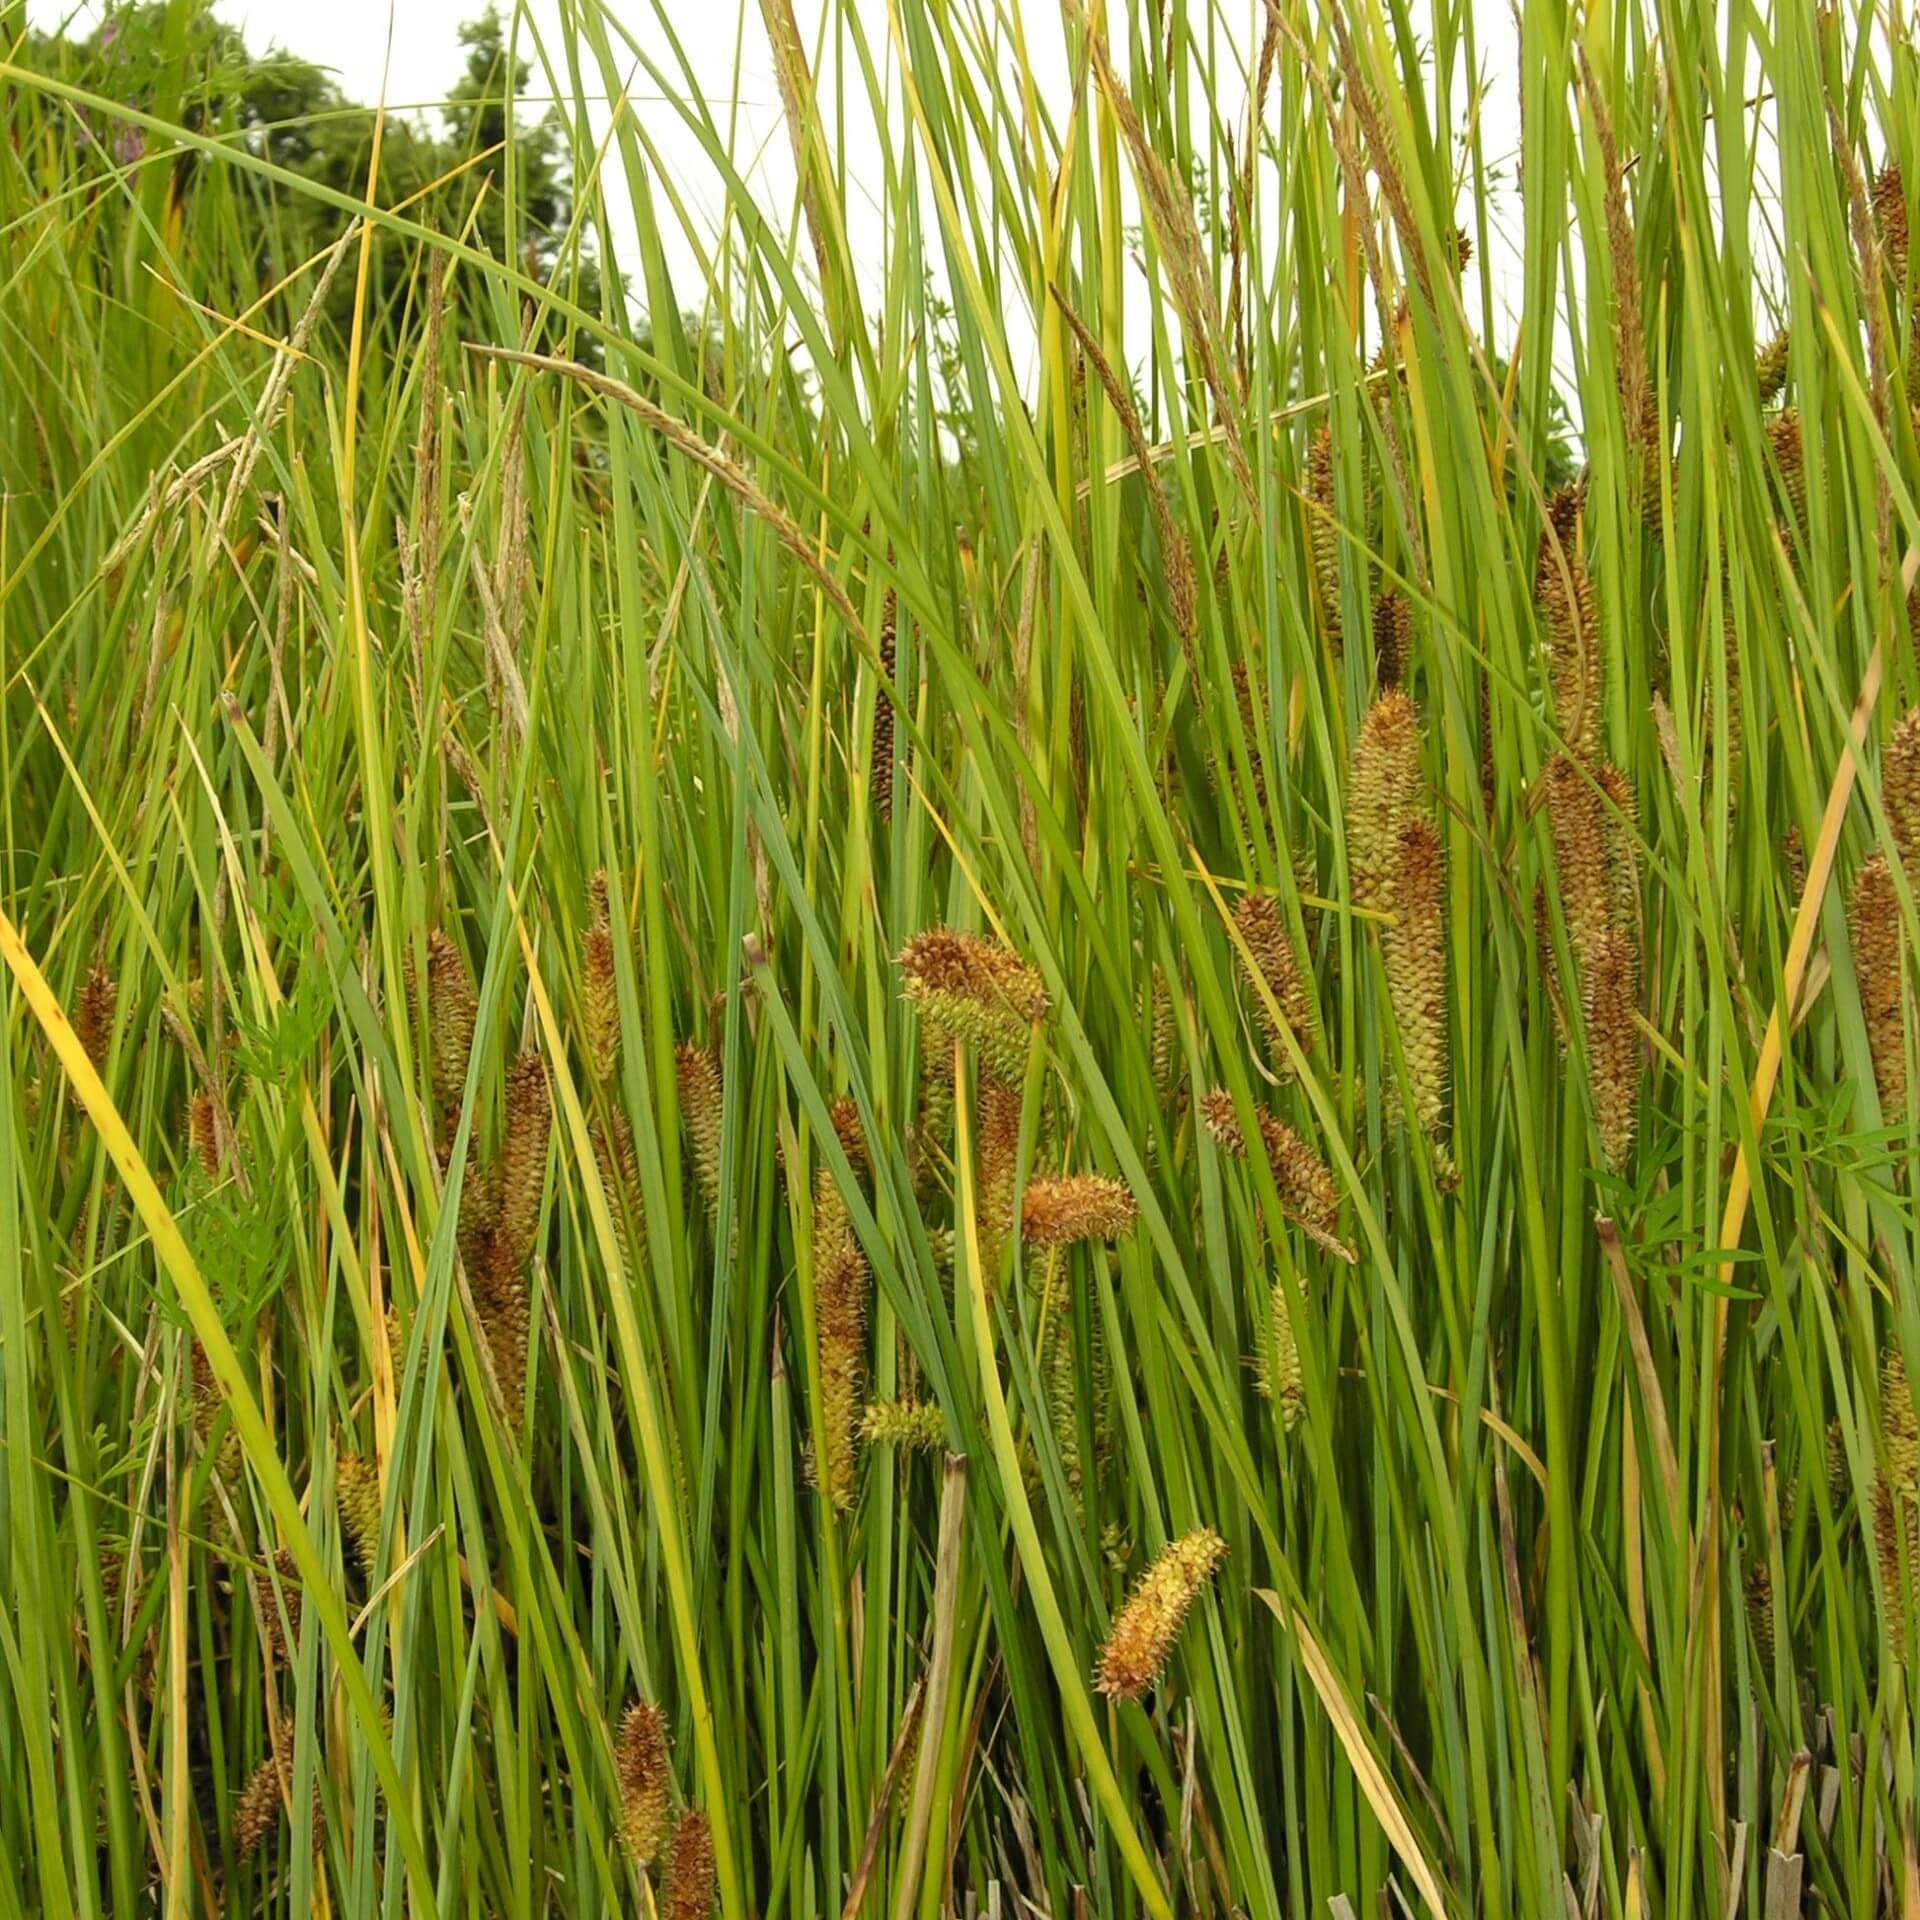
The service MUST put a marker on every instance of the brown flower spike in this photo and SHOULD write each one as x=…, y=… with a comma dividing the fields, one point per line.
x=972, y=989
x=1269, y=961
x=1384, y=791
x=688, y=1894
x=1144, y=1630
x=1873, y=925
x=640, y=1766
x=1076, y=1207
x=1416, y=958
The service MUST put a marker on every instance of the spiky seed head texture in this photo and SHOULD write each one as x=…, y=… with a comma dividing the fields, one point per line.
x=1323, y=530
x=203, y=1130
x=703, y=1108
x=973, y=989
x=599, y=1002
x=1384, y=790
x=451, y=1012
x=1900, y=791
x=997, y=1160
x=618, y=1163
x=257, y=1812
x=523, y=1159
x=1757, y=1590
x=1897, y=1417
x=1873, y=926
x=1415, y=949
x=689, y=1890
x=1890, y=216
x=1613, y=1043
x=1789, y=455
x=840, y=1282
x=93, y=1014
x=847, y=1129
x=1144, y=1630
x=1569, y=614
x=640, y=1766
x=1770, y=368
x=1074, y=1207
x=1392, y=637
x=357, y=1494
x=1307, y=1189
x=1277, y=1358
x=1269, y=959
x=914, y=1425
x=1577, y=823
x=880, y=759
x=280, y=1632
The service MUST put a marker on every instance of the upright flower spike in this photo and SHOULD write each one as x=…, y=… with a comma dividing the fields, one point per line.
x=912, y=1425
x=599, y=991
x=1789, y=456
x=452, y=1011
x=1144, y=1630
x=971, y=989
x=1613, y=1044
x=703, y=1108
x=1384, y=790
x=880, y=756
x=1078, y=1206
x=1563, y=592
x=1392, y=638
x=1577, y=822
x=1415, y=947
x=996, y=1164
x=1770, y=368
x=1323, y=529
x=840, y=1285
x=1268, y=960
x=256, y=1813
x=523, y=1159
x=93, y=1014
x=1306, y=1187
x=640, y=1766
x=689, y=1890
x=356, y=1489
x=1278, y=1359
x=1873, y=926
x=1900, y=791
x=1890, y=217
x=618, y=1164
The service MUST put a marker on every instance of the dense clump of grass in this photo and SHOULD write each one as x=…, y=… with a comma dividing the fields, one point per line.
x=1007, y=1069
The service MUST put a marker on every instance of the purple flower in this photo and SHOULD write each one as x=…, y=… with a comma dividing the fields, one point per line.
x=128, y=145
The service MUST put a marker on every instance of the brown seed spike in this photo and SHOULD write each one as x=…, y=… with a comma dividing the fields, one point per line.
x=1415, y=951
x=1900, y=791
x=1563, y=592
x=1770, y=368
x=840, y=1318
x=1323, y=531
x=1613, y=1044
x=1144, y=1630
x=1384, y=789
x=451, y=1012
x=1873, y=925
x=619, y=1168
x=1076, y=1207
x=689, y=1890
x=1577, y=821
x=703, y=1108
x=1890, y=216
x=93, y=1015
x=998, y=1157
x=1392, y=637
x=523, y=1160
x=599, y=993
x=971, y=989
x=257, y=1812
x=1789, y=457
x=880, y=759
x=357, y=1494
x=1307, y=1189
x=640, y=1767
x=1268, y=960
x=203, y=1127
